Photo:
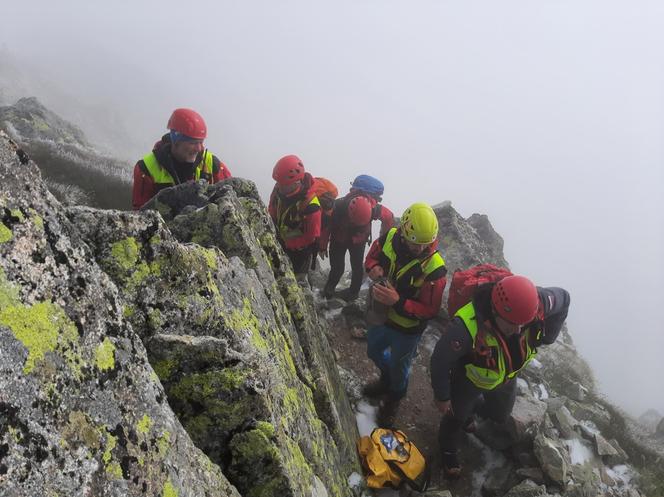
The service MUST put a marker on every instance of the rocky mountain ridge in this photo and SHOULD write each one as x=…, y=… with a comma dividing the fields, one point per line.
x=171, y=352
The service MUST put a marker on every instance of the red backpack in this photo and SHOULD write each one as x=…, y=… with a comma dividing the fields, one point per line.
x=465, y=283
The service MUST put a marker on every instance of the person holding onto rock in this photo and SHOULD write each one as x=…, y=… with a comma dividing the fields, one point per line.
x=178, y=157
x=411, y=276
x=350, y=230
x=296, y=212
x=488, y=342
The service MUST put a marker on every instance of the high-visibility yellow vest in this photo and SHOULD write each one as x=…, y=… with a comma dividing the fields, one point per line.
x=489, y=378
x=161, y=176
x=289, y=222
x=428, y=265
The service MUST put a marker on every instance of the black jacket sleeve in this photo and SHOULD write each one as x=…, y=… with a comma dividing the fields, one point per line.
x=556, y=304
x=452, y=346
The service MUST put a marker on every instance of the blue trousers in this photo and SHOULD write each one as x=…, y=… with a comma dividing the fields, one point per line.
x=392, y=351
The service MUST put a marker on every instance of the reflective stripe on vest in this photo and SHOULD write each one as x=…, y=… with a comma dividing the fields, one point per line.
x=292, y=227
x=429, y=265
x=489, y=378
x=161, y=176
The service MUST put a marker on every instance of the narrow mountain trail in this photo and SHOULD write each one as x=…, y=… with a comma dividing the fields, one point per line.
x=417, y=415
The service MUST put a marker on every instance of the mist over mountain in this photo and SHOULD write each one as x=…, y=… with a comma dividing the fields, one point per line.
x=545, y=116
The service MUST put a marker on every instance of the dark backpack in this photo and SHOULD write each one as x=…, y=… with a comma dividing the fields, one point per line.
x=465, y=283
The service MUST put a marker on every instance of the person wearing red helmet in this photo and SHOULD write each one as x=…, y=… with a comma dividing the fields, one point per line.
x=350, y=231
x=296, y=212
x=178, y=157
x=488, y=342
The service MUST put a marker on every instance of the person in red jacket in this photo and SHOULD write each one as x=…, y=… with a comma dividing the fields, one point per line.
x=410, y=276
x=350, y=231
x=296, y=213
x=178, y=157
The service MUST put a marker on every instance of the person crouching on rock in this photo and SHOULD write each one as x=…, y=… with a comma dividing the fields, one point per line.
x=413, y=271
x=179, y=156
x=489, y=341
x=296, y=213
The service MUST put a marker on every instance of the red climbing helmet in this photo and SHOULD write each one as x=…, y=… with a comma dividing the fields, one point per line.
x=288, y=170
x=515, y=299
x=359, y=211
x=188, y=123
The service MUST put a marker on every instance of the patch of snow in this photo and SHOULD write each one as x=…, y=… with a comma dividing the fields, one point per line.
x=366, y=418
x=590, y=426
x=621, y=473
x=535, y=364
x=543, y=395
x=521, y=383
x=332, y=313
x=580, y=451
x=354, y=480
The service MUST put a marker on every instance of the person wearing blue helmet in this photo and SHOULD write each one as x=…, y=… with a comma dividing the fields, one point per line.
x=350, y=230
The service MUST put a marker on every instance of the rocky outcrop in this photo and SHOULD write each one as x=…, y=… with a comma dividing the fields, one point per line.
x=465, y=243
x=81, y=409
x=74, y=171
x=144, y=335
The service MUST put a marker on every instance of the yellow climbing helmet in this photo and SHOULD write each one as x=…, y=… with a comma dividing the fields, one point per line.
x=419, y=224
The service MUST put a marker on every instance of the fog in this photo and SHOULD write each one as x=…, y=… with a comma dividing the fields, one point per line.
x=546, y=116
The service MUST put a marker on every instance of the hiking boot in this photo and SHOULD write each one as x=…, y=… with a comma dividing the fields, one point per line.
x=387, y=413
x=470, y=425
x=328, y=293
x=451, y=466
x=375, y=389
x=348, y=296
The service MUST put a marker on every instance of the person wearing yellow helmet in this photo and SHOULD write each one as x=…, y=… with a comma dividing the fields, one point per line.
x=411, y=276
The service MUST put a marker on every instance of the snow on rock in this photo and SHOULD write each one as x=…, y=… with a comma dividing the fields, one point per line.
x=366, y=418
x=579, y=451
x=354, y=480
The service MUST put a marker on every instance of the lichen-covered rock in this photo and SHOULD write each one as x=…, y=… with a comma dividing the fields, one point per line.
x=234, y=339
x=81, y=410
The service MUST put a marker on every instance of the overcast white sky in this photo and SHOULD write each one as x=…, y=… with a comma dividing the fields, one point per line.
x=546, y=115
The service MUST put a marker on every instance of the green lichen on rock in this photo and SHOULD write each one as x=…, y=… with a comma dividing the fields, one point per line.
x=5, y=233
x=144, y=425
x=254, y=449
x=164, y=443
x=164, y=368
x=169, y=490
x=126, y=252
x=105, y=355
x=41, y=328
x=17, y=214
x=245, y=319
x=212, y=403
x=114, y=470
x=111, y=442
